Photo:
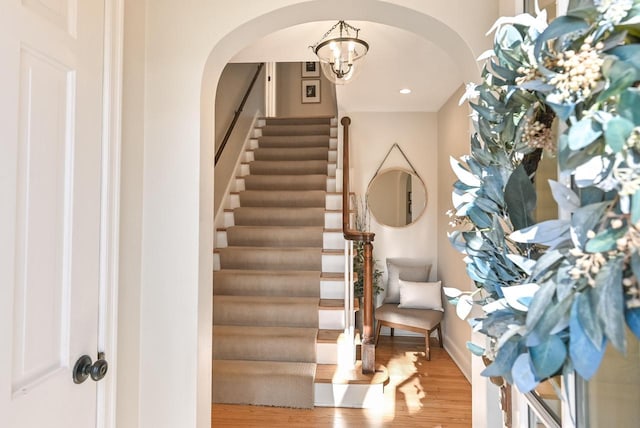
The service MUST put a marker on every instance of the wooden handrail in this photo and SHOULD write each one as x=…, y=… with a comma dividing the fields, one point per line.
x=237, y=114
x=368, y=338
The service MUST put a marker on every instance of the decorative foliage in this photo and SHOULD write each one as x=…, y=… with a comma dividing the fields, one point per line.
x=362, y=222
x=555, y=293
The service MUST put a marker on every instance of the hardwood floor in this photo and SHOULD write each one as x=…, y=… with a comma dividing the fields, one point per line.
x=420, y=393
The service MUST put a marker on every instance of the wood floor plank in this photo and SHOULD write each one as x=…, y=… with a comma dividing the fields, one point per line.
x=420, y=393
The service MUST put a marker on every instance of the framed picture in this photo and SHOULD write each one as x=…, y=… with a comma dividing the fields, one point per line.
x=311, y=91
x=310, y=69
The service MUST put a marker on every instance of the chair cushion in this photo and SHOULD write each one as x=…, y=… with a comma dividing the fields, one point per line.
x=405, y=269
x=421, y=295
x=417, y=318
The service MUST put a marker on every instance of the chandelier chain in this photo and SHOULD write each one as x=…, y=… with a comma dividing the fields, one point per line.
x=341, y=24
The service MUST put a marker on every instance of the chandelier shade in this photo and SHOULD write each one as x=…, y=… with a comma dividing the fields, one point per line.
x=341, y=53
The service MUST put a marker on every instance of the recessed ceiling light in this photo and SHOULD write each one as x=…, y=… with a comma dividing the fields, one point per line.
x=405, y=91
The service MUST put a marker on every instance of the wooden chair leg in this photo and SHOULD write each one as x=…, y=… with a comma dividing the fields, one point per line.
x=439, y=331
x=378, y=332
x=427, y=336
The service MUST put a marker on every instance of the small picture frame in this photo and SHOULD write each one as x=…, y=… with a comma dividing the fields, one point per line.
x=310, y=91
x=310, y=69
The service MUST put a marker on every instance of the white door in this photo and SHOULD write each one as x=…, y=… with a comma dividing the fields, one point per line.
x=51, y=71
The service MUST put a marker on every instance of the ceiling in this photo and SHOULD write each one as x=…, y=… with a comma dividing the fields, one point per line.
x=397, y=59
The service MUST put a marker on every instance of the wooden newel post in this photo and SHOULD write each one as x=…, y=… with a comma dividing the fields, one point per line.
x=368, y=338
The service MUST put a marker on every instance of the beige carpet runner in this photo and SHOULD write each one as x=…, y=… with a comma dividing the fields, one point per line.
x=266, y=294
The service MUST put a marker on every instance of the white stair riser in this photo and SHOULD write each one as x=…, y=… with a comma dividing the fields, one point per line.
x=332, y=289
x=253, y=144
x=327, y=353
x=248, y=156
x=333, y=263
x=229, y=220
x=355, y=395
x=331, y=170
x=333, y=155
x=216, y=262
x=331, y=319
x=221, y=239
x=333, y=220
x=333, y=143
x=334, y=201
x=333, y=241
x=333, y=132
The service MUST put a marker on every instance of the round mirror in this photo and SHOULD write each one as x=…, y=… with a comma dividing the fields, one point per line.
x=396, y=197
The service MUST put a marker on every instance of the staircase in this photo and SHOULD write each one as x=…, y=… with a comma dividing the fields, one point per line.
x=279, y=284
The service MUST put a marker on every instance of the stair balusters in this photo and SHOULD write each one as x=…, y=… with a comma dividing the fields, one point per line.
x=368, y=337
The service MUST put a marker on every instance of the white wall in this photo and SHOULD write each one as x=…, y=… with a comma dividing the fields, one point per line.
x=233, y=84
x=453, y=140
x=130, y=269
x=187, y=45
x=371, y=137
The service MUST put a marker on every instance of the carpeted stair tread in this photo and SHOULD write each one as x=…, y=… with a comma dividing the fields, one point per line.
x=274, y=216
x=241, y=282
x=284, y=198
x=314, y=120
x=274, y=141
x=275, y=236
x=296, y=153
x=286, y=182
x=265, y=343
x=298, y=129
x=267, y=383
x=266, y=311
x=275, y=258
x=300, y=167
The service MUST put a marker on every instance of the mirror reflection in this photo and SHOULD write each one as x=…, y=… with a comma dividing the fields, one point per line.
x=396, y=197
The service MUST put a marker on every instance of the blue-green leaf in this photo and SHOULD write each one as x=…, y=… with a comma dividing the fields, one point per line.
x=566, y=198
x=616, y=132
x=633, y=320
x=609, y=302
x=505, y=357
x=606, y=240
x=559, y=27
x=475, y=349
x=584, y=219
x=629, y=54
x=583, y=133
x=479, y=217
x=629, y=105
x=588, y=317
x=635, y=207
x=620, y=75
x=520, y=197
x=548, y=357
x=540, y=303
x=550, y=233
x=585, y=356
x=523, y=375
x=464, y=175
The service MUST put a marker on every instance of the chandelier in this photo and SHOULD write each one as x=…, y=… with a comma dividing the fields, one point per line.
x=340, y=52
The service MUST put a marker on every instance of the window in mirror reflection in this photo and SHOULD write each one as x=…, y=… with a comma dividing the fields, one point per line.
x=396, y=197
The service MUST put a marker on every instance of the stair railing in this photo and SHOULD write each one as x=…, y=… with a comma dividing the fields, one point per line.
x=237, y=114
x=351, y=235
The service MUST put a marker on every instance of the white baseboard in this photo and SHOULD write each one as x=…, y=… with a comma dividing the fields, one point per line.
x=459, y=356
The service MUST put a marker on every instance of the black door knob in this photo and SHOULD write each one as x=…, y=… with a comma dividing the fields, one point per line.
x=85, y=368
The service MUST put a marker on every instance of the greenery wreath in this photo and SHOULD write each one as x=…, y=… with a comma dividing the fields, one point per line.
x=555, y=293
